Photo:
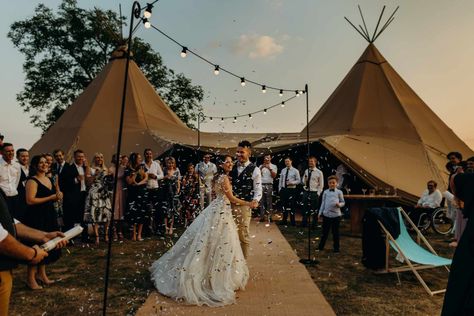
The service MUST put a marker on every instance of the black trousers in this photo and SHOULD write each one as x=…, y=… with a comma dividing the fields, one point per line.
x=14, y=208
x=154, y=196
x=310, y=207
x=288, y=200
x=330, y=223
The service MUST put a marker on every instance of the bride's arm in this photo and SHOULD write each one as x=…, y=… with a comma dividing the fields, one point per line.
x=227, y=188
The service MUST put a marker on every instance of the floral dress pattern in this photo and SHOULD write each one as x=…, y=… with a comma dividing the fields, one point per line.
x=98, y=202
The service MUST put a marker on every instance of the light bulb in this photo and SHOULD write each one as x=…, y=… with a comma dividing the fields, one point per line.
x=146, y=23
x=222, y=119
x=184, y=51
x=265, y=111
x=235, y=119
x=283, y=104
x=242, y=82
x=210, y=119
x=297, y=93
x=147, y=13
x=281, y=92
x=250, y=116
x=300, y=92
x=264, y=89
x=216, y=70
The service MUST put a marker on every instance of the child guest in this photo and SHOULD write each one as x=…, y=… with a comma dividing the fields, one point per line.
x=330, y=212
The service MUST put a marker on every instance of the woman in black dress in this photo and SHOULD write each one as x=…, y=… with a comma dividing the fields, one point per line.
x=40, y=214
x=137, y=198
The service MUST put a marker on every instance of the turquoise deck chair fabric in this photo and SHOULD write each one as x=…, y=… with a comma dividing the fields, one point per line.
x=415, y=252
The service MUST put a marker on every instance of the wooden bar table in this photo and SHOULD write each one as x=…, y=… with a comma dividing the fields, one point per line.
x=358, y=203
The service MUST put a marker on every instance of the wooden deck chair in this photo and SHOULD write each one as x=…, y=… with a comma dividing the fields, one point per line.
x=415, y=256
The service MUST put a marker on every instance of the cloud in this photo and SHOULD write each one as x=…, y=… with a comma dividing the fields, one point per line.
x=258, y=46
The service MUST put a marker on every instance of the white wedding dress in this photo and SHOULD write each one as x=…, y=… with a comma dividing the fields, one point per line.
x=206, y=265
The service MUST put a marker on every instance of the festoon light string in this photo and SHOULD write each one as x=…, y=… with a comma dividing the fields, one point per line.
x=217, y=69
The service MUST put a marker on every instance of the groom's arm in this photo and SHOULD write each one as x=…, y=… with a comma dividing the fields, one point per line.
x=257, y=184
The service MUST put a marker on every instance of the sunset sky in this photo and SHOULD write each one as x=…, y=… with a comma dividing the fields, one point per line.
x=284, y=43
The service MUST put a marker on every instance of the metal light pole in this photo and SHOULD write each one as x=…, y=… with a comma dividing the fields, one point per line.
x=308, y=261
x=136, y=10
x=200, y=116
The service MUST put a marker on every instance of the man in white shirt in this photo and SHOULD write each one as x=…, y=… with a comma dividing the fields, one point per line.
x=289, y=178
x=430, y=199
x=206, y=171
x=23, y=157
x=313, y=185
x=155, y=174
x=10, y=173
x=246, y=185
x=269, y=172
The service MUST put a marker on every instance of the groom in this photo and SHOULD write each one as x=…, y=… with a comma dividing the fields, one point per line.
x=247, y=186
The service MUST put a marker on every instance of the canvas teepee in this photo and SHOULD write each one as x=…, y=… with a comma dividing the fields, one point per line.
x=91, y=122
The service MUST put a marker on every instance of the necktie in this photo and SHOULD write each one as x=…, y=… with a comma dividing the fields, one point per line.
x=308, y=180
x=286, y=176
x=332, y=190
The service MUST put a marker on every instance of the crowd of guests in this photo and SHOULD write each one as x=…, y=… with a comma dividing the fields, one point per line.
x=432, y=198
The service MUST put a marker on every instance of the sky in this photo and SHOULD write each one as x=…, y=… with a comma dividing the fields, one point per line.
x=286, y=44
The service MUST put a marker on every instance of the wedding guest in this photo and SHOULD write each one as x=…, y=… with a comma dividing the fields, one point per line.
x=171, y=190
x=49, y=161
x=289, y=178
x=10, y=173
x=12, y=252
x=470, y=165
x=124, y=161
x=431, y=197
x=269, y=172
x=75, y=191
x=455, y=159
x=98, y=206
x=23, y=157
x=459, y=299
x=313, y=185
x=206, y=171
x=120, y=198
x=59, y=166
x=137, y=196
x=460, y=221
x=40, y=214
x=330, y=212
x=155, y=174
x=190, y=193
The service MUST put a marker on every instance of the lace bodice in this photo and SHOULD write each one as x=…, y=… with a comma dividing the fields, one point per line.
x=219, y=188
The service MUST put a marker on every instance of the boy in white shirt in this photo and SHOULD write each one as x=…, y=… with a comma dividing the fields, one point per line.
x=330, y=213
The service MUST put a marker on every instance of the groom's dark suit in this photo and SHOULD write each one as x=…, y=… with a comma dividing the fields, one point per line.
x=74, y=197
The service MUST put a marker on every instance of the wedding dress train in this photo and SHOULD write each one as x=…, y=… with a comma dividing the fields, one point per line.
x=206, y=265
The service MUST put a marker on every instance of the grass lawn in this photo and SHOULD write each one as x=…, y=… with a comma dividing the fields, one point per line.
x=351, y=289
x=80, y=281
x=346, y=284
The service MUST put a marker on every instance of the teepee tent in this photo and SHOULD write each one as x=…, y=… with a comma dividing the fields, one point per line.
x=377, y=125
x=91, y=122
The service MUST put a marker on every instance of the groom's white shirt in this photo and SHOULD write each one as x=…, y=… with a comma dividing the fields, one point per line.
x=256, y=177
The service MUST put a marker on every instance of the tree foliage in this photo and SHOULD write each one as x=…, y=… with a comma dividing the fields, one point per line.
x=66, y=49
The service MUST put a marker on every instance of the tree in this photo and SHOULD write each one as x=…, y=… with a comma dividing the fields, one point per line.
x=64, y=51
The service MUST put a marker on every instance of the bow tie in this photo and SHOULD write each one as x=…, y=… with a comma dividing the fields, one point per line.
x=332, y=190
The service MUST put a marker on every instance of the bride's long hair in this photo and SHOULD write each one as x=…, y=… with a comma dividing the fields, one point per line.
x=220, y=170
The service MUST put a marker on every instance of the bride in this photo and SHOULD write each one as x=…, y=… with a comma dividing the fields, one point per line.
x=206, y=265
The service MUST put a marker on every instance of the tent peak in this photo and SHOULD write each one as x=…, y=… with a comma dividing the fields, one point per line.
x=120, y=52
x=372, y=55
x=364, y=32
